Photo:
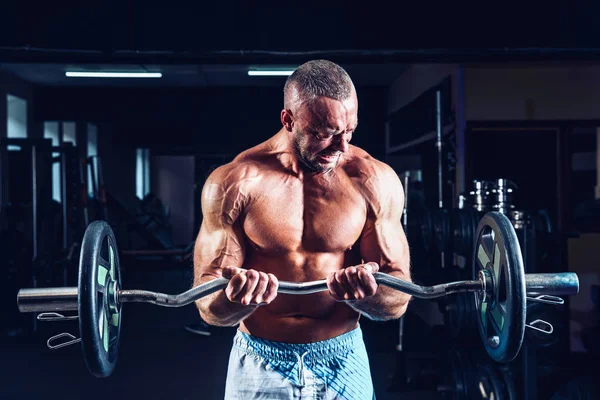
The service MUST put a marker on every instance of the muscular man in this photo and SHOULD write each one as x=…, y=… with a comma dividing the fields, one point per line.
x=304, y=205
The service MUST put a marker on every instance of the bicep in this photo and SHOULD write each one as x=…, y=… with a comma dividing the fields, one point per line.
x=384, y=242
x=220, y=242
x=215, y=249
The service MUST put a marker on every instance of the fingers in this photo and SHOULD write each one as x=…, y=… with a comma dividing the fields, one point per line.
x=271, y=291
x=353, y=283
x=252, y=281
x=237, y=280
x=367, y=280
x=335, y=289
x=250, y=287
x=351, y=274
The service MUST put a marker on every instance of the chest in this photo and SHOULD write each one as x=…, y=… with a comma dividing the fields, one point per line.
x=313, y=217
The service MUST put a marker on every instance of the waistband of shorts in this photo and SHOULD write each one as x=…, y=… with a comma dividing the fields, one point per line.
x=282, y=351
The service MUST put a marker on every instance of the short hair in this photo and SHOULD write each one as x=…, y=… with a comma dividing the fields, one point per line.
x=316, y=78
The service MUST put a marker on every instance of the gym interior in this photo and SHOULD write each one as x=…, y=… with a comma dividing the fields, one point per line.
x=466, y=137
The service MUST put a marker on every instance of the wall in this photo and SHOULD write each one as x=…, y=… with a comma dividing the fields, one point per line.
x=417, y=79
x=118, y=165
x=195, y=120
x=186, y=121
x=173, y=183
x=542, y=92
x=532, y=92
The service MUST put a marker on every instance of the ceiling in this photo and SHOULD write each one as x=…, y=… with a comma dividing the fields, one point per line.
x=188, y=75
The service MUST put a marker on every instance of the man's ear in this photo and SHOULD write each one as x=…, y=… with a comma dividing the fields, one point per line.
x=287, y=120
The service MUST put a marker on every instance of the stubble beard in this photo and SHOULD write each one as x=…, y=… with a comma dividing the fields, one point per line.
x=310, y=164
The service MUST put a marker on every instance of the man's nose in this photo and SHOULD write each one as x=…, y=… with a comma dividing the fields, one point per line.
x=340, y=143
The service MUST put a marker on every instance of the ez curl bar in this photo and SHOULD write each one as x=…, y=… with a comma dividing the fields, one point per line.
x=500, y=290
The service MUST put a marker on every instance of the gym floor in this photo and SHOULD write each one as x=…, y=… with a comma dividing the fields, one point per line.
x=158, y=358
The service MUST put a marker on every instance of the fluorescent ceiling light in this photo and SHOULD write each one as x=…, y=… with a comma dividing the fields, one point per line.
x=271, y=72
x=73, y=74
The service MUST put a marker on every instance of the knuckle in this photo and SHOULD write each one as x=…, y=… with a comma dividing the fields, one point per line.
x=252, y=274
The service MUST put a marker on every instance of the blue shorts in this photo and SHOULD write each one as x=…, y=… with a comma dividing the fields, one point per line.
x=336, y=368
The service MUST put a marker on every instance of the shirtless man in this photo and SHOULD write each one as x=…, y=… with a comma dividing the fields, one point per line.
x=304, y=205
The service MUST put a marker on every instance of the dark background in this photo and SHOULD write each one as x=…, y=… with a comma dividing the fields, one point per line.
x=214, y=117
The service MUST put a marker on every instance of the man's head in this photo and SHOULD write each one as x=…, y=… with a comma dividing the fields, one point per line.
x=320, y=113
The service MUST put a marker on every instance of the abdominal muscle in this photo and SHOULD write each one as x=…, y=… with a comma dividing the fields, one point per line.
x=301, y=318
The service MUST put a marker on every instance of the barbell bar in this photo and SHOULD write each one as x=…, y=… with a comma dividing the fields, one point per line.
x=66, y=299
x=501, y=290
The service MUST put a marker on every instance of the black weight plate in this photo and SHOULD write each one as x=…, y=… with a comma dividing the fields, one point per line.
x=460, y=317
x=427, y=230
x=501, y=319
x=100, y=327
x=489, y=384
x=441, y=230
x=463, y=227
x=506, y=375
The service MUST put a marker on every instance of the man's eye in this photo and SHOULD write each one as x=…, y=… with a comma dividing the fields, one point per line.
x=323, y=136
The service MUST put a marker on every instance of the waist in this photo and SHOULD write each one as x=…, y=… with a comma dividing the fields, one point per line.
x=300, y=324
x=283, y=351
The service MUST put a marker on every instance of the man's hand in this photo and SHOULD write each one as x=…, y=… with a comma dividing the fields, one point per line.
x=250, y=287
x=353, y=283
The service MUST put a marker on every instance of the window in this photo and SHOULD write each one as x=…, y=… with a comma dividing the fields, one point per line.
x=51, y=132
x=17, y=119
x=92, y=151
x=142, y=173
x=69, y=133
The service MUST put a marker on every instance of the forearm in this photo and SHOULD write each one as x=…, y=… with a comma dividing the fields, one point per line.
x=217, y=310
x=385, y=304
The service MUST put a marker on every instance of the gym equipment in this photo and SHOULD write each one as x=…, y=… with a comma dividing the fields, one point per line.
x=499, y=292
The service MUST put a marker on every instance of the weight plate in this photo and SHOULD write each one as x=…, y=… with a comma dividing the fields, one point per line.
x=457, y=380
x=460, y=317
x=99, y=314
x=506, y=375
x=489, y=385
x=441, y=230
x=463, y=227
x=427, y=230
x=502, y=309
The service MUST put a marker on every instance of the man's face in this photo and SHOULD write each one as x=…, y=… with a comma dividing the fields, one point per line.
x=322, y=130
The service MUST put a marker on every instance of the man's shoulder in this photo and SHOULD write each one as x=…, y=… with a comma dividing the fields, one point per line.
x=377, y=181
x=247, y=166
x=363, y=165
x=235, y=171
